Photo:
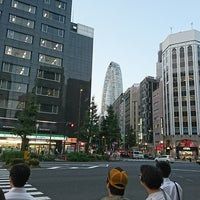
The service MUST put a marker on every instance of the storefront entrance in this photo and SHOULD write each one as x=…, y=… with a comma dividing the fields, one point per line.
x=186, y=149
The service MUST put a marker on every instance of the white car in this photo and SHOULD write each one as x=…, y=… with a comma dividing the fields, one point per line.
x=138, y=155
x=166, y=158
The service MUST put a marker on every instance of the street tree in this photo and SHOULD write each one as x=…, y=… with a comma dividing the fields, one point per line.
x=89, y=132
x=110, y=131
x=26, y=121
x=130, y=139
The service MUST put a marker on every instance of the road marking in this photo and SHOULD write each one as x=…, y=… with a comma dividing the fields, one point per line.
x=54, y=167
x=78, y=166
x=5, y=185
x=186, y=170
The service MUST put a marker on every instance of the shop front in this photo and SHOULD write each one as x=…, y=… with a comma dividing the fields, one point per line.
x=186, y=149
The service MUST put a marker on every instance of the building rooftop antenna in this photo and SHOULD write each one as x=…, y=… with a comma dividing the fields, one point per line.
x=191, y=24
x=171, y=30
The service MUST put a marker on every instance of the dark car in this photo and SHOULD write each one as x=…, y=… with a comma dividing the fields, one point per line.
x=148, y=156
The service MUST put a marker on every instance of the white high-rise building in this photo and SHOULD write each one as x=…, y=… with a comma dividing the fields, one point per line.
x=113, y=86
x=180, y=59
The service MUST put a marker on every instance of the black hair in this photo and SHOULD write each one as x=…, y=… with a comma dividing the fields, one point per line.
x=115, y=191
x=151, y=176
x=164, y=167
x=19, y=174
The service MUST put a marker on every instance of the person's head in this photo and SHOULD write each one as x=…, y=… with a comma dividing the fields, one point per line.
x=117, y=181
x=19, y=174
x=164, y=167
x=151, y=177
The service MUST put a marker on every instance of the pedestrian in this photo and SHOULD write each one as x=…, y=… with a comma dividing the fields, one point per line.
x=19, y=175
x=170, y=187
x=151, y=179
x=117, y=181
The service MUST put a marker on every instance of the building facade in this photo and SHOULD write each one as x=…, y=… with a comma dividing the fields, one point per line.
x=44, y=53
x=113, y=86
x=147, y=86
x=181, y=92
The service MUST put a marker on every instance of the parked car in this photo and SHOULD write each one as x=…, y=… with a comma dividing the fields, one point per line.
x=166, y=158
x=138, y=155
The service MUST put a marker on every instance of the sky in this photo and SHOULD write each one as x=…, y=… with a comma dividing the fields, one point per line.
x=129, y=33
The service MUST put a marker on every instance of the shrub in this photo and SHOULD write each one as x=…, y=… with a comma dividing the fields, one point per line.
x=14, y=157
x=33, y=162
x=83, y=157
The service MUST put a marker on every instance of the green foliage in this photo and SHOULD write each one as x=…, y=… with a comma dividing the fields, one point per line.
x=33, y=162
x=84, y=157
x=130, y=139
x=89, y=132
x=8, y=155
x=14, y=157
x=26, y=121
x=110, y=131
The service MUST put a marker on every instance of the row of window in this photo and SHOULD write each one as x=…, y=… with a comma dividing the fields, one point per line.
x=49, y=75
x=12, y=104
x=24, y=71
x=50, y=92
x=29, y=39
x=31, y=24
x=23, y=6
x=15, y=69
x=20, y=105
x=13, y=86
x=25, y=54
x=58, y=4
x=32, y=9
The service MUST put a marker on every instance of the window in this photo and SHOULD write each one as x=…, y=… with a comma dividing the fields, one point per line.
x=51, y=45
x=50, y=60
x=49, y=75
x=19, y=36
x=21, y=21
x=15, y=69
x=53, y=16
x=20, y=53
x=60, y=5
x=12, y=104
x=45, y=108
x=13, y=86
x=22, y=6
x=52, y=30
x=51, y=92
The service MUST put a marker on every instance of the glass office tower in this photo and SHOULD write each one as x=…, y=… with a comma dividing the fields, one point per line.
x=43, y=52
x=113, y=86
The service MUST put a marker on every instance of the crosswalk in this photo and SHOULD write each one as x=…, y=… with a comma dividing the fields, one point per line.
x=5, y=186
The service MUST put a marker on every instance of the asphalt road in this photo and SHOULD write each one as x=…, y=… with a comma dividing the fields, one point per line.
x=87, y=181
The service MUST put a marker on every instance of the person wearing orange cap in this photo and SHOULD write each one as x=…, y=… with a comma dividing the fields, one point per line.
x=117, y=181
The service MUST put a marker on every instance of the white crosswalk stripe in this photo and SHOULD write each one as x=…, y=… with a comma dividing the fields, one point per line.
x=5, y=186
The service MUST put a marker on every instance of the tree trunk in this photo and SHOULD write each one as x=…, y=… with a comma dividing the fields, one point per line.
x=25, y=144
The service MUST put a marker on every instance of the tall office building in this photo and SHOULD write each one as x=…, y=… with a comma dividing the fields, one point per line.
x=43, y=52
x=147, y=86
x=113, y=86
x=180, y=58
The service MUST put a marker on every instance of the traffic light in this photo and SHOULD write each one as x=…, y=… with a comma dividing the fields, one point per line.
x=71, y=124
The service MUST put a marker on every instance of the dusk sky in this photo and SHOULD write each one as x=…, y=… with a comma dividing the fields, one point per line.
x=129, y=32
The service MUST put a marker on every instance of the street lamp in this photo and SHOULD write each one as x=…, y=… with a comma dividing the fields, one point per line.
x=79, y=117
x=36, y=131
x=50, y=141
